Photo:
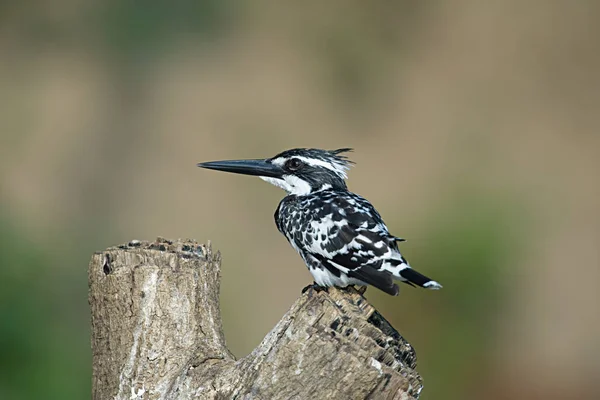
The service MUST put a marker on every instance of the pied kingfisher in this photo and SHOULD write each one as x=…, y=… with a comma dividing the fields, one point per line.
x=339, y=234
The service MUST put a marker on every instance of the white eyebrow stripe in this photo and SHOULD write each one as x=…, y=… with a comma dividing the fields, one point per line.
x=278, y=161
x=340, y=170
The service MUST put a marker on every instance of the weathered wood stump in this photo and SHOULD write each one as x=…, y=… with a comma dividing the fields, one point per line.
x=157, y=334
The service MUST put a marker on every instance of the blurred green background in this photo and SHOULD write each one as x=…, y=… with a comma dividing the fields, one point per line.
x=475, y=126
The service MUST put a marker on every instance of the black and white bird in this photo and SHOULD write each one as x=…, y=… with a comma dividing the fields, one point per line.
x=341, y=237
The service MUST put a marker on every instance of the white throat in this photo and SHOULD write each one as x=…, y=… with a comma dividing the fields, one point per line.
x=291, y=184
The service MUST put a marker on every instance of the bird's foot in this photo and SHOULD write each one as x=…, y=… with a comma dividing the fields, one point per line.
x=313, y=287
x=361, y=290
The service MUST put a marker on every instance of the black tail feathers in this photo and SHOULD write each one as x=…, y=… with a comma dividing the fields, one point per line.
x=413, y=277
x=382, y=280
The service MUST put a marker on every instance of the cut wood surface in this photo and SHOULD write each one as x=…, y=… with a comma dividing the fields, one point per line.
x=157, y=334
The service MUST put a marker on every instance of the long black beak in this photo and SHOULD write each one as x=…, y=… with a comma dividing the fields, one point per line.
x=246, y=167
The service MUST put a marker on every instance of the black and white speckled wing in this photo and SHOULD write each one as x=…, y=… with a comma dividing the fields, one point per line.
x=345, y=233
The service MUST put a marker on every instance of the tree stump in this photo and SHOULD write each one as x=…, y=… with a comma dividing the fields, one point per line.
x=157, y=334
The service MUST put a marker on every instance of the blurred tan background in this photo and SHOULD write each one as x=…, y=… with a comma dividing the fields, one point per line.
x=475, y=127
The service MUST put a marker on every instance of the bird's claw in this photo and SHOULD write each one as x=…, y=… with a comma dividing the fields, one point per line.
x=313, y=287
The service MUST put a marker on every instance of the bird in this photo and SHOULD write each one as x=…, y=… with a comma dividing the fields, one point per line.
x=341, y=237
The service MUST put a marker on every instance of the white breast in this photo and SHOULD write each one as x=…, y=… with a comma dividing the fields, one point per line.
x=325, y=278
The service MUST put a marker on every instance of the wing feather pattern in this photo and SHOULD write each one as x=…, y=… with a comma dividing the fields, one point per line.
x=352, y=238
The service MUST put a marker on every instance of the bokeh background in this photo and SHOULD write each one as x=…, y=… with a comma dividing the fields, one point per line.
x=475, y=127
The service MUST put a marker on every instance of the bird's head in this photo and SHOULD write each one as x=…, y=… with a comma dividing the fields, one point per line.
x=297, y=171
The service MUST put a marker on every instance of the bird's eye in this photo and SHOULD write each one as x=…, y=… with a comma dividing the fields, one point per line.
x=294, y=164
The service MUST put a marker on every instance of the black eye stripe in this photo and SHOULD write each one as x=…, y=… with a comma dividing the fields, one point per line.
x=294, y=164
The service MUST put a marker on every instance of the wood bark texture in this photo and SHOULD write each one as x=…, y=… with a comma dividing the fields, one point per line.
x=157, y=334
